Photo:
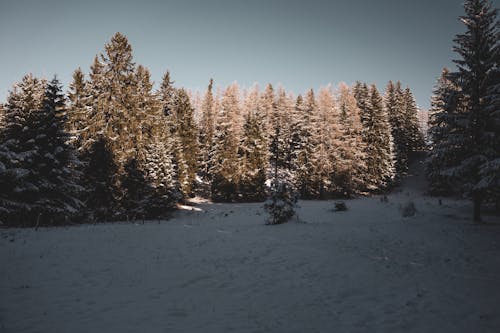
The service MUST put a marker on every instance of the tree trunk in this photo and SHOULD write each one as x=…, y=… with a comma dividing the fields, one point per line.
x=477, y=208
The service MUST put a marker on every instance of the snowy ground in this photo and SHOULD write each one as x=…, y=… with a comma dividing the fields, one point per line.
x=218, y=268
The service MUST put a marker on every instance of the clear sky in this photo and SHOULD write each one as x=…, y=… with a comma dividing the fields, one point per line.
x=300, y=44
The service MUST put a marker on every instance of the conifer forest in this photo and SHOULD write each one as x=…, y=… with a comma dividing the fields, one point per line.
x=163, y=195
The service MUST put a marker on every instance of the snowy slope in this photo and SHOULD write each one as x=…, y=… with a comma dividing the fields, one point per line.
x=218, y=268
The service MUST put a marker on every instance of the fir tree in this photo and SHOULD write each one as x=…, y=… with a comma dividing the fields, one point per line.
x=478, y=79
x=78, y=107
x=394, y=104
x=225, y=171
x=378, y=142
x=45, y=187
x=303, y=160
x=282, y=201
x=161, y=174
x=350, y=167
x=101, y=174
x=253, y=152
x=186, y=132
x=447, y=107
x=207, y=128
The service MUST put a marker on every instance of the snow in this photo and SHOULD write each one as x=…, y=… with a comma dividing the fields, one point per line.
x=219, y=268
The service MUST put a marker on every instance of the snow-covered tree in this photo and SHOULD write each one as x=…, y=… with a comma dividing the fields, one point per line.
x=281, y=203
x=161, y=175
x=327, y=136
x=224, y=161
x=477, y=79
x=44, y=187
x=351, y=166
x=207, y=127
x=186, y=133
x=303, y=145
x=394, y=104
x=253, y=154
x=378, y=142
x=447, y=107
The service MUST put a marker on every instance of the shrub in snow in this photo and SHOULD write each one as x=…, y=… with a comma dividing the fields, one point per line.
x=281, y=204
x=340, y=206
x=409, y=209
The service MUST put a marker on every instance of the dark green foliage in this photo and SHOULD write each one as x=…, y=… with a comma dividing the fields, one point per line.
x=100, y=173
x=43, y=186
x=465, y=129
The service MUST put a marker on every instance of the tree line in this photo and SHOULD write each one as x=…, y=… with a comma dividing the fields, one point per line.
x=114, y=148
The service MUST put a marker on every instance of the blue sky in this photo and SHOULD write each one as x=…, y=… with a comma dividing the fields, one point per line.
x=300, y=44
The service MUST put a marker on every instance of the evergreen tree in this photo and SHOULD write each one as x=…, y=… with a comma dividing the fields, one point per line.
x=378, y=142
x=161, y=174
x=186, y=132
x=224, y=162
x=327, y=136
x=394, y=104
x=477, y=78
x=44, y=186
x=282, y=201
x=415, y=139
x=78, y=107
x=350, y=167
x=101, y=181
x=207, y=128
x=253, y=152
x=447, y=113
x=302, y=163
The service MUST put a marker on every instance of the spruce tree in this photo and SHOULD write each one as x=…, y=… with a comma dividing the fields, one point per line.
x=101, y=180
x=44, y=188
x=224, y=161
x=78, y=107
x=477, y=77
x=394, y=104
x=328, y=136
x=253, y=152
x=303, y=161
x=378, y=142
x=186, y=132
x=446, y=114
x=207, y=128
x=351, y=166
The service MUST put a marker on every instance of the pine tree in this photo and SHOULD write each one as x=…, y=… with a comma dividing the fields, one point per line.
x=302, y=141
x=161, y=174
x=477, y=77
x=378, y=142
x=186, y=132
x=281, y=203
x=44, y=188
x=350, y=167
x=447, y=107
x=394, y=104
x=253, y=152
x=361, y=93
x=412, y=132
x=78, y=107
x=101, y=180
x=225, y=171
x=327, y=136
x=207, y=128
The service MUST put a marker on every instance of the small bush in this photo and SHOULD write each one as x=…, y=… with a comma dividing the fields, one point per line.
x=280, y=205
x=409, y=209
x=340, y=206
